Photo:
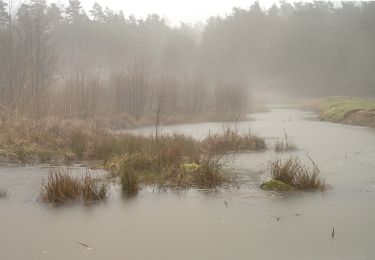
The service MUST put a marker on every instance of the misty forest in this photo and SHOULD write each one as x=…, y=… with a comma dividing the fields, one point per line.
x=66, y=62
x=248, y=135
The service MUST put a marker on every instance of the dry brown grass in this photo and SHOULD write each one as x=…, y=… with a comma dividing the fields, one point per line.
x=3, y=193
x=207, y=175
x=232, y=140
x=138, y=169
x=129, y=180
x=143, y=159
x=293, y=173
x=139, y=160
x=92, y=189
x=285, y=145
x=61, y=186
x=66, y=141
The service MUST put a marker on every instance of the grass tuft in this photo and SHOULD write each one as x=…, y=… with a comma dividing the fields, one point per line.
x=128, y=175
x=3, y=193
x=285, y=145
x=206, y=175
x=92, y=190
x=293, y=173
x=231, y=140
x=60, y=186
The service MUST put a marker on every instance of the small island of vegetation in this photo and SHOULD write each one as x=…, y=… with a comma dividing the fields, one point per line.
x=293, y=175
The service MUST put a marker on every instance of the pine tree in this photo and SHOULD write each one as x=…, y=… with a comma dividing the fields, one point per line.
x=73, y=11
x=97, y=13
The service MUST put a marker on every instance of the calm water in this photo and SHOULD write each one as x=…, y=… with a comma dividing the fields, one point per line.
x=237, y=224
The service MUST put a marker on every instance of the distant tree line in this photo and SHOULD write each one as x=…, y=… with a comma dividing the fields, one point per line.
x=60, y=60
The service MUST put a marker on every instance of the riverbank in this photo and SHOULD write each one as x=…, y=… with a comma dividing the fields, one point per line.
x=345, y=110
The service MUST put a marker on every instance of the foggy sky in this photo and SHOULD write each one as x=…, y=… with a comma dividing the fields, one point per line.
x=188, y=11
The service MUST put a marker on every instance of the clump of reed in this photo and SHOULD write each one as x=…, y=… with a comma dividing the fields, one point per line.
x=146, y=160
x=295, y=174
x=25, y=141
x=66, y=141
x=232, y=140
x=92, y=190
x=60, y=186
x=3, y=193
x=77, y=142
x=285, y=145
x=206, y=175
x=131, y=167
x=136, y=159
x=167, y=165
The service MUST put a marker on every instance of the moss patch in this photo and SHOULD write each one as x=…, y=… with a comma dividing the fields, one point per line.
x=276, y=186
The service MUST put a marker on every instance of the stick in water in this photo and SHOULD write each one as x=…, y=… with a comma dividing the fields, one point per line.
x=82, y=244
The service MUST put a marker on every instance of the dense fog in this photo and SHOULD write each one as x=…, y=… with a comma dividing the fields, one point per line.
x=66, y=61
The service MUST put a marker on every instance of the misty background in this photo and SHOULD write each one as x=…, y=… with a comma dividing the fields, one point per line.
x=67, y=61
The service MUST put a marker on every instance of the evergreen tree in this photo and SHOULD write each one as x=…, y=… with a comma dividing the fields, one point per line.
x=97, y=13
x=73, y=11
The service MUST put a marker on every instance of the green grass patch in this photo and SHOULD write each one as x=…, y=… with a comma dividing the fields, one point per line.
x=275, y=185
x=336, y=109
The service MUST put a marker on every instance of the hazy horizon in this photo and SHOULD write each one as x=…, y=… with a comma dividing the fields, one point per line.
x=175, y=12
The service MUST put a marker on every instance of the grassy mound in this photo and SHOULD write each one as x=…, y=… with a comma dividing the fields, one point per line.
x=295, y=175
x=201, y=170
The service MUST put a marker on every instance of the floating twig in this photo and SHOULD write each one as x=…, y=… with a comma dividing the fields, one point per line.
x=82, y=244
